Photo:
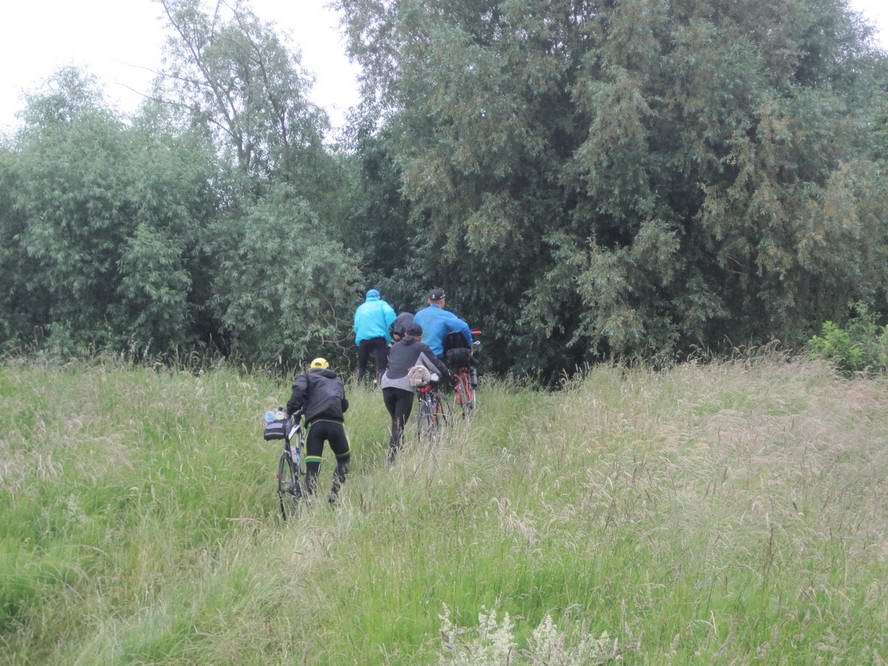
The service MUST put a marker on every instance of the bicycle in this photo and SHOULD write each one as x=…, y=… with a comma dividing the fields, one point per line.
x=434, y=411
x=289, y=469
x=464, y=387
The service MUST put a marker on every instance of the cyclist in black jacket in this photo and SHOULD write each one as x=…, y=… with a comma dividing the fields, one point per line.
x=320, y=395
x=396, y=389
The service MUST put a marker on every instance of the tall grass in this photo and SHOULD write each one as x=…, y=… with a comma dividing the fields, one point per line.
x=726, y=513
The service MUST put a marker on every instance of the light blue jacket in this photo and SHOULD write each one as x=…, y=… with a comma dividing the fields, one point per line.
x=373, y=319
x=436, y=322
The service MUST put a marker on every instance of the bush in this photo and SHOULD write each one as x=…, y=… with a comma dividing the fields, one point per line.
x=860, y=347
x=285, y=288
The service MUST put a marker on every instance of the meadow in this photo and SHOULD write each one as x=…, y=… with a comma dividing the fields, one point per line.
x=731, y=512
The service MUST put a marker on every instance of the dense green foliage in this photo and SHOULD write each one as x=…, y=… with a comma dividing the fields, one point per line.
x=648, y=175
x=178, y=231
x=585, y=177
x=728, y=513
x=860, y=347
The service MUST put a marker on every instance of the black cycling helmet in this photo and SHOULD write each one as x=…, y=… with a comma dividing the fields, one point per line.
x=437, y=294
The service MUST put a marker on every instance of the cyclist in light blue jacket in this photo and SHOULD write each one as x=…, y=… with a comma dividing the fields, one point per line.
x=437, y=323
x=373, y=320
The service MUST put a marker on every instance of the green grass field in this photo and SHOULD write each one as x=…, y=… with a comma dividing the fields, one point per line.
x=727, y=513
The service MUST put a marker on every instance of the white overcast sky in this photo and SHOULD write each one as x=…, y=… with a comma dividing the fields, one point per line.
x=120, y=41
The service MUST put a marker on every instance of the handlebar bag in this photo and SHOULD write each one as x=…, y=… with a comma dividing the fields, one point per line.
x=276, y=429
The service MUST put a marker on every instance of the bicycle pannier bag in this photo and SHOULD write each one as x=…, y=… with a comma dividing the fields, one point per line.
x=419, y=375
x=454, y=341
x=458, y=358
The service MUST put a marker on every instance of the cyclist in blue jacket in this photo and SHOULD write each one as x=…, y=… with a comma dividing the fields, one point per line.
x=373, y=320
x=437, y=323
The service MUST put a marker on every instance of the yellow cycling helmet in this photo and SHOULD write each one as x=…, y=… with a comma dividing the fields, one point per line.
x=319, y=364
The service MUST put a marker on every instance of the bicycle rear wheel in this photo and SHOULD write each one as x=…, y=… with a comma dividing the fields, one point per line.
x=465, y=394
x=289, y=489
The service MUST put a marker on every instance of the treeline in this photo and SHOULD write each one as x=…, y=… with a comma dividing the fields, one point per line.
x=585, y=179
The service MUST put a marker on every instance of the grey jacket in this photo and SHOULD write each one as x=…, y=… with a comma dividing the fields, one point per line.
x=404, y=355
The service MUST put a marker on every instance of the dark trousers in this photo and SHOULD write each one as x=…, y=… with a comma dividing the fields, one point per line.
x=399, y=404
x=332, y=432
x=378, y=348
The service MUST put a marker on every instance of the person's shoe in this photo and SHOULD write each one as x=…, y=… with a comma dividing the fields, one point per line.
x=333, y=499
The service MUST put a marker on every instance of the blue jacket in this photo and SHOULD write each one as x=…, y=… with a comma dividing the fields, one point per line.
x=436, y=322
x=373, y=319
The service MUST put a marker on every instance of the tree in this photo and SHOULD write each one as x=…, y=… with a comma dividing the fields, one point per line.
x=233, y=72
x=591, y=177
x=138, y=236
x=102, y=223
x=68, y=185
x=376, y=224
x=284, y=290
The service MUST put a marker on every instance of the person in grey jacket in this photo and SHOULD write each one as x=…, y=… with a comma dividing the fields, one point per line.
x=396, y=389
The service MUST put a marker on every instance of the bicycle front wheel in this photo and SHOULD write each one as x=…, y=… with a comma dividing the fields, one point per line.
x=425, y=419
x=289, y=489
x=433, y=417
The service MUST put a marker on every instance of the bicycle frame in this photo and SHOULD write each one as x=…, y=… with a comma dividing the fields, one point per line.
x=289, y=488
x=295, y=431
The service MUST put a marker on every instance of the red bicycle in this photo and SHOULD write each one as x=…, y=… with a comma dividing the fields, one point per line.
x=466, y=378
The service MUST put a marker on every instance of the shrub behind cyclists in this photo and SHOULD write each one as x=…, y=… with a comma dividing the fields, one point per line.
x=320, y=395
x=373, y=319
x=397, y=393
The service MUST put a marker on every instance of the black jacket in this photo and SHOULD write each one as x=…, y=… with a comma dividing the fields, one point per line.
x=320, y=394
x=404, y=355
